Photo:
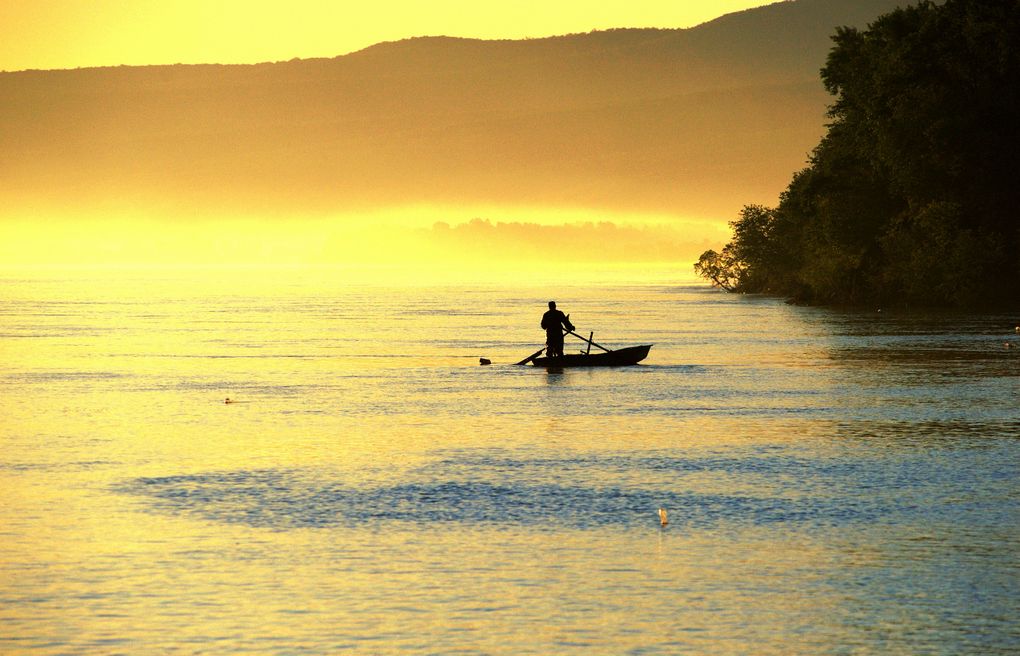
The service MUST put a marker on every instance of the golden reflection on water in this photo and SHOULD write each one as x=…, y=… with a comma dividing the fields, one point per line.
x=149, y=581
x=372, y=488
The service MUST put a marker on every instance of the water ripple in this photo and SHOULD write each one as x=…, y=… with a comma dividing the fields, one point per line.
x=286, y=499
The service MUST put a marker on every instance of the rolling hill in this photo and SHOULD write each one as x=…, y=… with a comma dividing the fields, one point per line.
x=693, y=122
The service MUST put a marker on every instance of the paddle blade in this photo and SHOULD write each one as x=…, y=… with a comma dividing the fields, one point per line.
x=532, y=356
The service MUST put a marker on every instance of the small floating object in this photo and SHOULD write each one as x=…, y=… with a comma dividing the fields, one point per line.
x=1009, y=345
x=663, y=519
x=228, y=400
x=484, y=361
x=1017, y=330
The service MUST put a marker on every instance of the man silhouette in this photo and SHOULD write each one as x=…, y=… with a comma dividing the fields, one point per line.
x=554, y=322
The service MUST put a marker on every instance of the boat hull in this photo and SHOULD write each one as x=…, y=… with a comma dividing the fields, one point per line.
x=618, y=358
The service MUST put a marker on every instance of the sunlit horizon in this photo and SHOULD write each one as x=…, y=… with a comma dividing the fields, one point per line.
x=405, y=243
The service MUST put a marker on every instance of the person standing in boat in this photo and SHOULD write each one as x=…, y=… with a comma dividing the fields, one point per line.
x=553, y=322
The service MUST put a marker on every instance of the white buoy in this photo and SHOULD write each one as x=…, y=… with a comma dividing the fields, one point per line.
x=663, y=519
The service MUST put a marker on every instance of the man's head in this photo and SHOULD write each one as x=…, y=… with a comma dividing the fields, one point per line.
x=552, y=305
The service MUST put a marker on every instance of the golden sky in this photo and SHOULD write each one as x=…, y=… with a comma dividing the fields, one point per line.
x=47, y=34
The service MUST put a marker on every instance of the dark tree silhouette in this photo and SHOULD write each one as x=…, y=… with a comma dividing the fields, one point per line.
x=912, y=196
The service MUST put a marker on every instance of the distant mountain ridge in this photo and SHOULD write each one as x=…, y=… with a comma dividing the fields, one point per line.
x=695, y=121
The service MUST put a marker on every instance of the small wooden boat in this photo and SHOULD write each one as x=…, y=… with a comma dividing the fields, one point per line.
x=618, y=358
x=608, y=358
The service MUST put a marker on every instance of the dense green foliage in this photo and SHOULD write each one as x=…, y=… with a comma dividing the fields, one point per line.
x=913, y=195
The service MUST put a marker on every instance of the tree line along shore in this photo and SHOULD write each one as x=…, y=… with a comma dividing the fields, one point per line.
x=912, y=197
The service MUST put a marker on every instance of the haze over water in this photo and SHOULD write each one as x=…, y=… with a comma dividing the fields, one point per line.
x=836, y=481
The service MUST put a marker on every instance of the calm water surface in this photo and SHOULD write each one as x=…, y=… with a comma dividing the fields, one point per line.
x=836, y=482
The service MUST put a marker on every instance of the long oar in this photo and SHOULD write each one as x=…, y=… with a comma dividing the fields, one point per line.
x=532, y=356
x=585, y=339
